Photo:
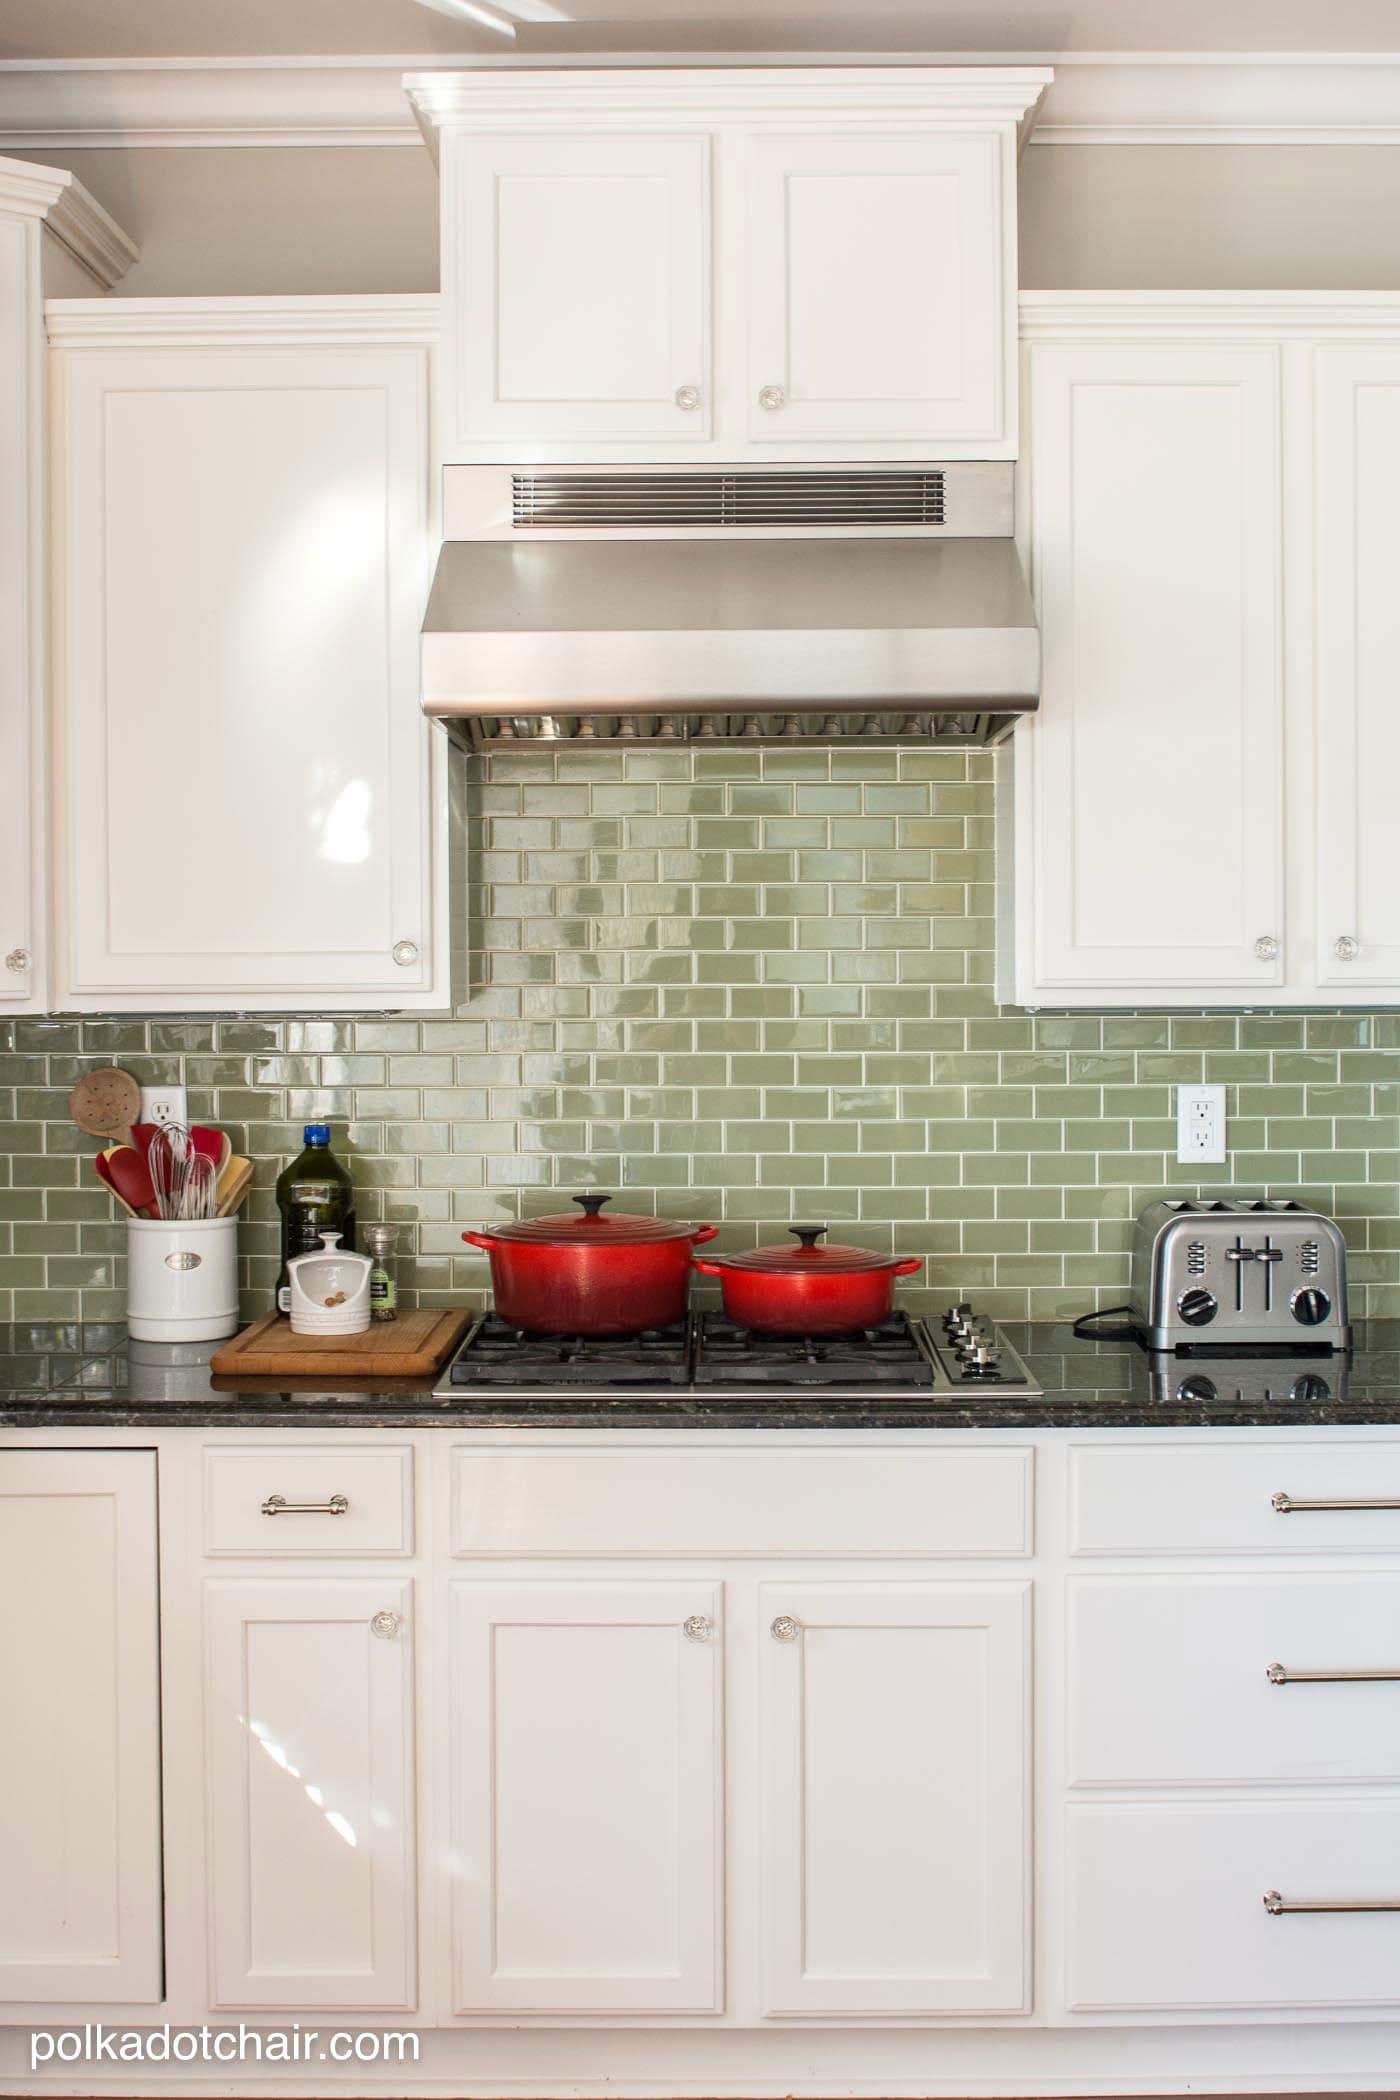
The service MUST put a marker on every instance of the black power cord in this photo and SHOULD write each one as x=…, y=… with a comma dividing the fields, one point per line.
x=1088, y=1331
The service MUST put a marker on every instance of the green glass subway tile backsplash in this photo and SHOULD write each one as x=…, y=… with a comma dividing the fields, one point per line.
x=739, y=985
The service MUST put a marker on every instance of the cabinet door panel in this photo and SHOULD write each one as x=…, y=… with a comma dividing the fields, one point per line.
x=1357, y=523
x=1156, y=800
x=876, y=287
x=310, y=1794
x=894, y=1782
x=579, y=284
x=21, y=603
x=586, y=1787
x=244, y=760
x=80, y=1859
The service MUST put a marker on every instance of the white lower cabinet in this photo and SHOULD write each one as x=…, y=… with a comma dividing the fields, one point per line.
x=80, y=1782
x=310, y=1792
x=586, y=1797
x=895, y=1772
x=1166, y=1909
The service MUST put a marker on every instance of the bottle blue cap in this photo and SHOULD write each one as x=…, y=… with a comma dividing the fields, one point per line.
x=317, y=1133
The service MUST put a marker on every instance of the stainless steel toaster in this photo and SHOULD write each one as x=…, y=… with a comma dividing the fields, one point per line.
x=1230, y=1274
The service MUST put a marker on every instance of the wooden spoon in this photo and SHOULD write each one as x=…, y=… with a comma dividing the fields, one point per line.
x=232, y=1184
x=106, y=1103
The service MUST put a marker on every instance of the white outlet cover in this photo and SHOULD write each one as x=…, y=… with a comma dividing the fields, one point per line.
x=164, y=1104
x=1200, y=1126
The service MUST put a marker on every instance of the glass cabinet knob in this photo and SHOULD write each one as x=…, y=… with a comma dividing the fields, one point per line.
x=18, y=961
x=697, y=1627
x=687, y=397
x=785, y=1628
x=405, y=953
x=1266, y=947
x=385, y=1625
x=771, y=397
x=1347, y=949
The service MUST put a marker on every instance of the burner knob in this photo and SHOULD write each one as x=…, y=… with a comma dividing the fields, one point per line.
x=1310, y=1306
x=957, y=1316
x=1198, y=1307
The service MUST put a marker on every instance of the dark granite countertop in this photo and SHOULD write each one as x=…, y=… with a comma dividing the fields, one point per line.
x=85, y=1377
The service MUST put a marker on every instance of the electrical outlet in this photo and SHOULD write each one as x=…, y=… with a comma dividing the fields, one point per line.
x=164, y=1104
x=1200, y=1126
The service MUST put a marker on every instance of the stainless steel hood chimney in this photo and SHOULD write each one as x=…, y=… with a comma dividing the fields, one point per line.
x=677, y=604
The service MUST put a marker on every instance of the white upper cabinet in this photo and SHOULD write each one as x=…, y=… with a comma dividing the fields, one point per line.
x=584, y=264
x=245, y=809
x=743, y=263
x=1358, y=659
x=877, y=296
x=1150, y=780
x=1201, y=811
x=52, y=234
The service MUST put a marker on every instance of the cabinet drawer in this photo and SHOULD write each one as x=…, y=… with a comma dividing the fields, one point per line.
x=1219, y=1498
x=375, y=1486
x=688, y=1499
x=1170, y=1685
x=1166, y=1906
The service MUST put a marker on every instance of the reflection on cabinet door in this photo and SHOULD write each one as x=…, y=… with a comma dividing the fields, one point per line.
x=577, y=279
x=1156, y=544
x=879, y=288
x=80, y=1865
x=895, y=1828
x=243, y=804
x=586, y=1796
x=310, y=1792
x=1358, y=644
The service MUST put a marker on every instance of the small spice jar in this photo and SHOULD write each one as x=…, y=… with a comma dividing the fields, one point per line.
x=383, y=1279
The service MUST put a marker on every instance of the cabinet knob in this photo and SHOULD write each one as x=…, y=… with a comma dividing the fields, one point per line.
x=784, y=1628
x=1266, y=947
x=1346, y=948
x=18, y=961
x=687, y=397
x=385, y=1625
x=697, y=1627
x=405, y=953
x=771, y=397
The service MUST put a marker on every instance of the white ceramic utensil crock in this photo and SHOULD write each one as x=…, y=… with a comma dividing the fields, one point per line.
x=182, y=1279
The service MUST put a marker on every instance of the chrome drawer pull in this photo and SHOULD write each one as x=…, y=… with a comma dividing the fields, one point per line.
x=1281, y=1906
x=1277, y=1674
x=279, y=1506
x=1286, y=1504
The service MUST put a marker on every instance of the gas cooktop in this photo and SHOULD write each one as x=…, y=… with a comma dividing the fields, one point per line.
x=902, y=1357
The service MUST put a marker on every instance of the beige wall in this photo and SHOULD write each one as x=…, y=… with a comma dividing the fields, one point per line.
x=346, y=219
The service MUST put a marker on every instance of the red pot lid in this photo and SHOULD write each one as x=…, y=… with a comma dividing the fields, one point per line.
x=592, y=1229
x=807, y=1256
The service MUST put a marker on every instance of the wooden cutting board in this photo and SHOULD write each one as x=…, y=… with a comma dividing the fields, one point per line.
x=415, y=1345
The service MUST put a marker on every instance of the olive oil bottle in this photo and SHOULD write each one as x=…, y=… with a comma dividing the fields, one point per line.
x=314, y=1194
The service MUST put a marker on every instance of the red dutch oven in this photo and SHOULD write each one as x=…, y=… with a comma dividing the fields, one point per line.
x=591, y=1275
x=808, y=1289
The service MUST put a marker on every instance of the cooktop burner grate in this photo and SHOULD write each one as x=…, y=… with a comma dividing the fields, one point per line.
x=889, y=1354
x=497, y=1354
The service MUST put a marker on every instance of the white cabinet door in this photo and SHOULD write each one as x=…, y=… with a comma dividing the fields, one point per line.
x=895, y=1824
x=21, y=602
x=1149, y=820
x=881, y=275
x=309, y=1776
x=576, y=273
x=80, y=1846
x=586, y=1796
x=1357, y=745
x=244, y=769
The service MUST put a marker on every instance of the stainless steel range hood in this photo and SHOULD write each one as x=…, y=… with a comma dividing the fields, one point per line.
x=683, y=604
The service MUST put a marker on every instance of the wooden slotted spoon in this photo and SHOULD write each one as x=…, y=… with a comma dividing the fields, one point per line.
x=106, y=1103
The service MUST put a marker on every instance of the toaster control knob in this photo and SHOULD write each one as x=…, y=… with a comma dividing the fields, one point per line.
x=1199, y=1388
x=1198, y=1307
x=1310, y=1388
x=1310, y=1306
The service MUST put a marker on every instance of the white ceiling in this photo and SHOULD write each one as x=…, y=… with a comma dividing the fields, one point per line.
x=143, y=29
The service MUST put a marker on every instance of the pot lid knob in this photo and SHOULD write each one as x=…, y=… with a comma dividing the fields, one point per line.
x=593, y=1202
x=808, y=1234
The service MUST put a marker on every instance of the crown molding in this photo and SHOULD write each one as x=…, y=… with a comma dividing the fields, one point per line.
x=71, y=214
x=1182, y=316
x=275, y=321
x=1096, y=98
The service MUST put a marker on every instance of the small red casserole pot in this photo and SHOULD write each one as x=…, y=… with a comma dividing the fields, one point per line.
x=807, y=1289
x=591, y=1275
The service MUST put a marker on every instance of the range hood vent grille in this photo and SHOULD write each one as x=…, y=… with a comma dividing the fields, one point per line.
x=841, y=499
